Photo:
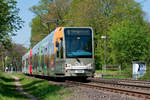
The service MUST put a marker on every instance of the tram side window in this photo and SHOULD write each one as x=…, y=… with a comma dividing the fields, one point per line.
x=61, y=49
x=60, y=53
x=27, y=63
x=57, y=52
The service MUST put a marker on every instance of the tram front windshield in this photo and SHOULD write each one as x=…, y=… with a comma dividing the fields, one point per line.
x=78, y=42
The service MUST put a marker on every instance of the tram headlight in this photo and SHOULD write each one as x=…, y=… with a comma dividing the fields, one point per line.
x=68, y=65
x=89, y=66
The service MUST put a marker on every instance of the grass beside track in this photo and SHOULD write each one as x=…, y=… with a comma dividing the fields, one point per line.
x=41, y=89
x=112, y=74
x=125, y=74
x=8, y=89
x=146, y=76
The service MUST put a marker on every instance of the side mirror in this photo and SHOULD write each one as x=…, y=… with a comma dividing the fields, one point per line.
x=57, y=44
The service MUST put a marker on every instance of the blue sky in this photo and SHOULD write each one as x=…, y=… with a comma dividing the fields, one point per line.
x=145, y=4
x=24, y=34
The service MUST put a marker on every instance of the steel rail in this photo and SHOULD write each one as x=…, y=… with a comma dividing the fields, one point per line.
x=122, y=80
x=111, y=89
x=122, y=84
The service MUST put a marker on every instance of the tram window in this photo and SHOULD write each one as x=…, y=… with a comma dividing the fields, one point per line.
x=42, y=51
x=57, y=44
x=57, y=51
x=78, y=42
x=61, y=49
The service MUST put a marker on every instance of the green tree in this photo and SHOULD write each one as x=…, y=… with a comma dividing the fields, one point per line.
x=49, y=16
x=10, y=21
x=38, y=31
x=17, y=51
x=12, y=56
x=101, y=15
x=130, y=42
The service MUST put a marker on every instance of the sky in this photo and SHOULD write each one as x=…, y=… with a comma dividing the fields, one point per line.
x=146, y=8
x=24, y=34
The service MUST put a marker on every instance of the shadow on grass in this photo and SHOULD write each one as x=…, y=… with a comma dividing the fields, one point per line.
x=8, y=89
x=32, y=83
x=7, y=79
x=41, y=89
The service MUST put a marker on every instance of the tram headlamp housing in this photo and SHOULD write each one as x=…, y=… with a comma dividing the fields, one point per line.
x=89, y=65
x=68, y=65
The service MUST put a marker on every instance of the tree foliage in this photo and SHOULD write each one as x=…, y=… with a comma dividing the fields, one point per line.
x=130, y=41
x=12, y=56
x=10, y=21
x=49, y=14
x=39, y=31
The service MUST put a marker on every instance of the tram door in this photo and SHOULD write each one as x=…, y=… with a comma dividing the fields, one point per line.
x=60, y=63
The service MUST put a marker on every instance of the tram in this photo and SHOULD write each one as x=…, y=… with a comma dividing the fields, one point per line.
x=65, y=52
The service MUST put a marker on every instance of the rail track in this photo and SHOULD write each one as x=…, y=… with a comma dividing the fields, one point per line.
x=111, y=89
x=111, y=86
x=125, y=84
x=124, y=81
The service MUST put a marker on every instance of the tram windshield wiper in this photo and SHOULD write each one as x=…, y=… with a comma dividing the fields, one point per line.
x=76, y=57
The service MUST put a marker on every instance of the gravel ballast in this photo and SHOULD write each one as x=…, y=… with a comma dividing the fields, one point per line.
x=82, y=93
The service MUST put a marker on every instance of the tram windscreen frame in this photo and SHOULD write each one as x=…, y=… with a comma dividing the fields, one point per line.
x=78, y=42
